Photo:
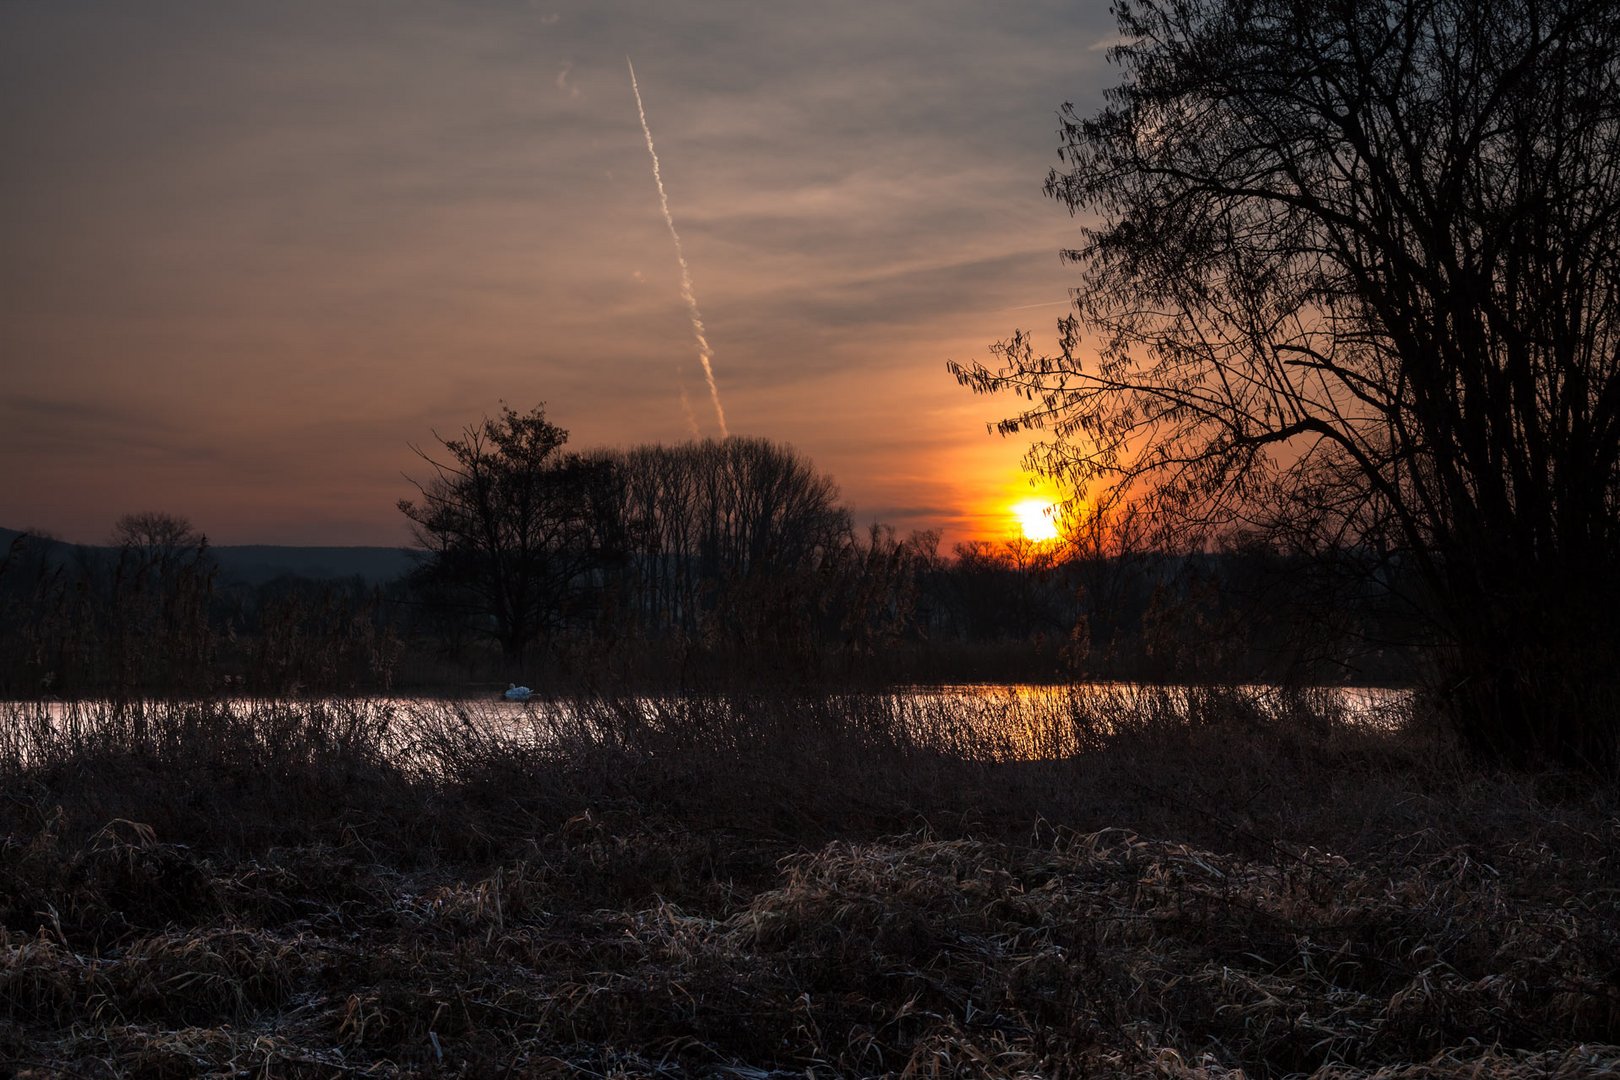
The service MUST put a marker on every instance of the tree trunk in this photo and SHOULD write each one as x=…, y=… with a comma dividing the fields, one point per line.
x=1534, y=682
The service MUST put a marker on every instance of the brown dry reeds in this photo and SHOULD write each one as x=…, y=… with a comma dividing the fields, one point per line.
x=1199, y=883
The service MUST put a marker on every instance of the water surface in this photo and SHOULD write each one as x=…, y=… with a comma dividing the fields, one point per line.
x=1002, y=721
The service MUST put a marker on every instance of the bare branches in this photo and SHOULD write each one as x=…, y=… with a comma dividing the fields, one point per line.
x=512, y=525
x=1354, y=274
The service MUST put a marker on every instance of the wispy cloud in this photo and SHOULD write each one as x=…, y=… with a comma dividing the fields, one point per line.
x=563, y=84
x=281, y=241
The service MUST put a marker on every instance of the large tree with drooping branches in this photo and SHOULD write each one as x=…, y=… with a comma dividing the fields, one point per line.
x=1350, y=277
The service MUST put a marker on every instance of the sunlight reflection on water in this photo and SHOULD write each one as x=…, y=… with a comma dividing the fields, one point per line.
x=1028, y=721
x=981, y=721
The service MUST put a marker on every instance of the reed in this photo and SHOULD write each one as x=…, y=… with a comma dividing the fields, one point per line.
x=1109, y=881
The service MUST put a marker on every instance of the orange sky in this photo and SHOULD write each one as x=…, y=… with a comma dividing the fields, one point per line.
x=252, y=251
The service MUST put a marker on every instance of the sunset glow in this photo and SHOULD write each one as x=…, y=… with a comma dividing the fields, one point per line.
x=1037, y=518
x=386, y=255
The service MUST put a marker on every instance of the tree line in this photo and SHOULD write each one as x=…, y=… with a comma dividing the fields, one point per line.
x=737, y=544
x=739, y=551
x=703, y=563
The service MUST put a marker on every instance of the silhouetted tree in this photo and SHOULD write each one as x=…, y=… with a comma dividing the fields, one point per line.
x=875, y=585
x=729, y=539
x=157, y=541
x=1006, y=591
x=157, y=603
x=515, y=529
x=1355, y=271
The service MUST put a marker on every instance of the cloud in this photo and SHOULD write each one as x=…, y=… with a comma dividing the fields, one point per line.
x=281, y=241
x=91, y=430
x=563, y=84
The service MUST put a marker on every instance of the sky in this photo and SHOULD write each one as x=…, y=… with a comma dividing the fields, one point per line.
x=250, y=252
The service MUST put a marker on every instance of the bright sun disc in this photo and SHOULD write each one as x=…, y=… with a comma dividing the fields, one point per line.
x=1035, y=517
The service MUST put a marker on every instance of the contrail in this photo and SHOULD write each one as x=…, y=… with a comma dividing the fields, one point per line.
x=1026, y=307
x=705, y=353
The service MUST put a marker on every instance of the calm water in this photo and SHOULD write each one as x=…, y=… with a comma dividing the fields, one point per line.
x=999, y=721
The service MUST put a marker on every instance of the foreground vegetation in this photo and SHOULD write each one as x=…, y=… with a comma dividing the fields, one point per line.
x=1185, y=884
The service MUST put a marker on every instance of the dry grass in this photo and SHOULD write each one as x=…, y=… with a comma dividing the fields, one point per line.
x=1206, y=885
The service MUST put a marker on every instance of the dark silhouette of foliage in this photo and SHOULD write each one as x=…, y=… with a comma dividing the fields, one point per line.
x=719, y=565
x=1354, y=273
x=733, y=540
x=158, y=619
x=515, y=530
x=157, y=541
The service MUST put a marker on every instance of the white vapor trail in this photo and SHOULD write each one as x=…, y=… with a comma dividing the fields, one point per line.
x=705, y=353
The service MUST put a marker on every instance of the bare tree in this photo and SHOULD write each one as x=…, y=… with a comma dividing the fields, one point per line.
x=157, y=603
x=515, y=529
x=729, y=536
x=157, y=541
x=1354, y=269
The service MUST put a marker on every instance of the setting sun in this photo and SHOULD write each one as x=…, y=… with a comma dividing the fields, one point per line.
x=1037, y=518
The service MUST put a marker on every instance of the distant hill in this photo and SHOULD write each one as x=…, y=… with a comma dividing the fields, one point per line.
x=54, y=552
x=254, y=564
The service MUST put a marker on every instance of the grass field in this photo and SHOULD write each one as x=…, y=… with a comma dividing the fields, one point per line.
x=1191, y=885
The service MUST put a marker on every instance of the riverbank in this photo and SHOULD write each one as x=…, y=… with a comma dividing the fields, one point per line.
x=748, y=887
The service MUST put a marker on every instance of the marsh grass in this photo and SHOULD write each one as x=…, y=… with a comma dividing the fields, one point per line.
x=1116, y=881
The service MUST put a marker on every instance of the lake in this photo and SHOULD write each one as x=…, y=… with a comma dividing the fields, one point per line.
x=983, y=721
